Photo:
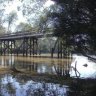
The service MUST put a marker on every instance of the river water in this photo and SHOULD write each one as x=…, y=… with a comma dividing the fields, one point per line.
x=47, y=77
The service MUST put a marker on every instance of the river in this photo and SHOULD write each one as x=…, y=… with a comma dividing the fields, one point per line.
x=28, y=76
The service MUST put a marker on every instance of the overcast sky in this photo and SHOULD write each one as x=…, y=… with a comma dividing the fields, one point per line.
x=14, y=5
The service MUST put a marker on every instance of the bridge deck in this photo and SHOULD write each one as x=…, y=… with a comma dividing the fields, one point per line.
x=20, y=35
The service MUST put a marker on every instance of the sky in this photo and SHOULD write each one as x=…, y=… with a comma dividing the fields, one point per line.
x=12, y=6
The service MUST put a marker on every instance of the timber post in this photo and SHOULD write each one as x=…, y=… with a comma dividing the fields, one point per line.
x=1, y=48
x=30, y=46
x=11, y=47
x=26, y=46
x=8, y=47
x=58, y=48
x=4, y=48
x=33, y=46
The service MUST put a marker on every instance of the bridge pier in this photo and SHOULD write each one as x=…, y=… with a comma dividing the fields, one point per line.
x=29, y=45
x=8, y=47
x=58, y=49
x=33, y=46
x=30, y=48
x=36, y=45
x=4, y=47
x=11, y=48
x=63, y=50
x=25, y=46
x=1, y=47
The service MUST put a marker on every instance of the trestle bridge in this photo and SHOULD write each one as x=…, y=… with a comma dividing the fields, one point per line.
x=26, y=43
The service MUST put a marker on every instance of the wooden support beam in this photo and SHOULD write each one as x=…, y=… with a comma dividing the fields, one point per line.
x=61, y=48
x=36, y=45
x=8, y=46
x=33, y=46
x=1, y=48
x=11, y=47
x=52, y=53
x=23, y=47
x=4, y=47
x=14, y=46
x=30, y=46
x=58, y=48
x=26, y=46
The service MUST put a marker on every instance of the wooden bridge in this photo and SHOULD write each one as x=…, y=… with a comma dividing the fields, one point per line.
x=22, y=35
x=21, y=42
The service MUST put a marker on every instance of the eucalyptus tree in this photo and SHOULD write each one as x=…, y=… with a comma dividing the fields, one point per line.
x=10, y=19
x=2, y=10
x=43, y=24
x=36, y=13
x=76, y=21
x=2, y=30
x=24, y=27
x=32, y=9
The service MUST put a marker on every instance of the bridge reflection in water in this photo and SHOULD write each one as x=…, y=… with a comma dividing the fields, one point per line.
x=27, y=64
x=21, y=84
x=18, y=84
x=59, y=67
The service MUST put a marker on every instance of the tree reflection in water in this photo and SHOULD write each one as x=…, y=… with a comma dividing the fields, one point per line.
x=22, y=85
x=12, y=87
x=56, y=78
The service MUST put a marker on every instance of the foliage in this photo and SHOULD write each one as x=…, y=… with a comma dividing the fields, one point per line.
x=23, y=27
x=10, y=19
x=32, y=9
x=36, y=14
x=76, y=20
x=45, y=45
x=44, y=24
x=2, y=30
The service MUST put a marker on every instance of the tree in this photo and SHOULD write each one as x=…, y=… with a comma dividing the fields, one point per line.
x=43, y=24
x=10, y=19
x=36, y=14
x=32, y=9
x=76, y=21
x=24, y=27
x=2, y=30
x=46, y=44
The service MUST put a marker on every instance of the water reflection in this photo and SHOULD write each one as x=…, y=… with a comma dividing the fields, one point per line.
x=13, y=86
x=85, y=67
x=6, y=61
x=57, y=67
x=21, y=84
x=80, y=67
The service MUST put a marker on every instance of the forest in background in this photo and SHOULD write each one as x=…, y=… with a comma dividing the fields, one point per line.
x=73, y=22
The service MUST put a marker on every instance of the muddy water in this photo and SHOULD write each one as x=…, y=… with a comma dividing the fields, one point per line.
x=47, y=77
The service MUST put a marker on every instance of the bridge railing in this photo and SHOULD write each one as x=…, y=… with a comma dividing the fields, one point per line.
x=19, y=33
x=23, y=34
